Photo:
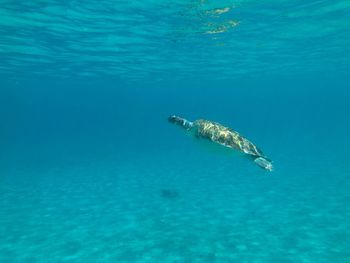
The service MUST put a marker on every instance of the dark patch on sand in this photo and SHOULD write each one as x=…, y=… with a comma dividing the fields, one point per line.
x=169, y=193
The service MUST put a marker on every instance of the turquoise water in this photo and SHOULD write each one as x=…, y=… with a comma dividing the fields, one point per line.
x=91, y=170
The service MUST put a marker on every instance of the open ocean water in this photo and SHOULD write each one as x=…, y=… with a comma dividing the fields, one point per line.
x=91, y=170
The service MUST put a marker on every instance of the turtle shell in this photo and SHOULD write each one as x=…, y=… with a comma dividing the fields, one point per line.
x=225, y=136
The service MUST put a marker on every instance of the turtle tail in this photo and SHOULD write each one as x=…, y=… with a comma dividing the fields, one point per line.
x=181, y=122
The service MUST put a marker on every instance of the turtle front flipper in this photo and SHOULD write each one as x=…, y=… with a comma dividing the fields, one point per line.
x=264, y=163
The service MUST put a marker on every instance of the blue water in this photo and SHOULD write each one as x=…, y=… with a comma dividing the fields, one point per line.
x=91, y=171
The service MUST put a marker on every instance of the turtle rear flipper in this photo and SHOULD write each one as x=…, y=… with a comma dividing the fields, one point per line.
x=264, y=163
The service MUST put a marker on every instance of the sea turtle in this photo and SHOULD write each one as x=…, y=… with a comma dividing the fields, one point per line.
x=224, y=136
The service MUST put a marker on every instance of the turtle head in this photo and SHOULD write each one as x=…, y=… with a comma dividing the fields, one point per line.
x=173, y=119
x=180, y=121
x=264, y=163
